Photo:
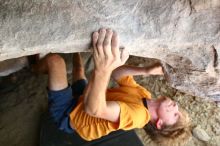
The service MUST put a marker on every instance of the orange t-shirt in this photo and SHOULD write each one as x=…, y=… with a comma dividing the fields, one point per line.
x=133, y=113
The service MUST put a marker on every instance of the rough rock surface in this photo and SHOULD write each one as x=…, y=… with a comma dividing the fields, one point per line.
x=12, y=65
x=185, y=34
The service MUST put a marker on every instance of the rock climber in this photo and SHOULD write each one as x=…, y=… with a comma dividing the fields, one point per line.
x=92, y=110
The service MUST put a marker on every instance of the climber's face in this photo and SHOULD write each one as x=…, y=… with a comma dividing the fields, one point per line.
x=168, y=112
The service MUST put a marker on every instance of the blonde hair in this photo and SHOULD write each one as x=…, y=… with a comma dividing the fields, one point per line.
x=175, y=135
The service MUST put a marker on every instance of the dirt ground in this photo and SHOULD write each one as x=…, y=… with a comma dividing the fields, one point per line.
x=204, y=114
x=22, y=107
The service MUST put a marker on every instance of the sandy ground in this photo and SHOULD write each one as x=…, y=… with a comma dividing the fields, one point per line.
x=22, y=108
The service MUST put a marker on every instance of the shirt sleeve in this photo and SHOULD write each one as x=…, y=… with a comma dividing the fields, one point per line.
x=127, y=81
x=89, y=128
x=133, y=116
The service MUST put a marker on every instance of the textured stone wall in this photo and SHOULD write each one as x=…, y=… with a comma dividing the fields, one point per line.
x=184, y=34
